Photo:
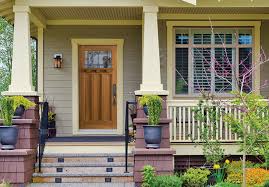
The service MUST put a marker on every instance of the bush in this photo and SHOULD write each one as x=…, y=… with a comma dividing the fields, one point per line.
x=236, y=167
x=151, y=180
x=254, y=177
x=5, y=184
x=257, y=176
x=266, y=184
x=195, y=177
x=167, y=181
x=148, y=176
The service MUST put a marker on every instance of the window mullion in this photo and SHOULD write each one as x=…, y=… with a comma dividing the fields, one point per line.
x=190, y=65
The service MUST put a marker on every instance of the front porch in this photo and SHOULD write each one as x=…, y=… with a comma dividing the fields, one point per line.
x=111, y=52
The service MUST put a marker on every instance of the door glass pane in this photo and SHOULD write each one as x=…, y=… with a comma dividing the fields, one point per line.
x=98, y=59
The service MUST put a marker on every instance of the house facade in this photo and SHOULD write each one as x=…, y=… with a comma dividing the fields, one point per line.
x=114, y=50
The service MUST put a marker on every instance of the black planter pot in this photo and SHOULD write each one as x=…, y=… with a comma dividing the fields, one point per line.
x=146, y=110
x=153, y=136
x=8, y=137
x=19, y=112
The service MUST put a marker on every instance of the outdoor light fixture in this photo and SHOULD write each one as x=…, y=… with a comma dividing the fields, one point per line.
x=58, y=60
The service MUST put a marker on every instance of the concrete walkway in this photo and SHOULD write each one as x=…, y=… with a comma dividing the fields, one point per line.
x=82, y=185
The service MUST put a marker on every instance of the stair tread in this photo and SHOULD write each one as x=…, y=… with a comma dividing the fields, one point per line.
x=83, y=164
x=127, y=184
x=49, y=155
x=83, y=175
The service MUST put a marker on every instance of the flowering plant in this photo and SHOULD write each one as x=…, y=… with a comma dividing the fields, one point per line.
x=220, y=171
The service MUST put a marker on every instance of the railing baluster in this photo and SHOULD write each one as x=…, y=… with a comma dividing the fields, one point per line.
x=189, y=123
x=221, y=123
x=175, y=122
x=179, y=121
x=184, y=127
x=193, y=125
x=229, y=126
x=170, y=108
x=226, y=125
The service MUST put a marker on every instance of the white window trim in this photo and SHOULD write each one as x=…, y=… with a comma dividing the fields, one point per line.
x=171, y=57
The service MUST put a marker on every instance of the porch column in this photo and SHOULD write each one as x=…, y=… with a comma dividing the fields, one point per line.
x=21, y=75
x=151, y=74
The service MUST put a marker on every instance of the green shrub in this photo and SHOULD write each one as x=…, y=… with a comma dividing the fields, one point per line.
x=236, y=167
x=195, y=177
x=20, y=100
x=6, y=110
x=266, y=184
x=148, y=176
x=167, y=181
x=151, y=180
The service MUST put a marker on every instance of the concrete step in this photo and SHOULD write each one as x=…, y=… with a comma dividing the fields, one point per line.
x=87, y=158
x=82, y=185
x=89, y=168
x=82, y=178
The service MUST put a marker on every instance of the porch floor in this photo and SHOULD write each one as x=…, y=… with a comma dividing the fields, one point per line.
x=87, y=139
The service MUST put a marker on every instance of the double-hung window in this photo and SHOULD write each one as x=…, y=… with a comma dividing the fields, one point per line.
x=212, y=61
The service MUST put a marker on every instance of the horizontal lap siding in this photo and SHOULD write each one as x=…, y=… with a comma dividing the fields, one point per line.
x=58, y=82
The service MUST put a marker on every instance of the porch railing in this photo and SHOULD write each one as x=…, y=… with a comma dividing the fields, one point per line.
x=186, y=128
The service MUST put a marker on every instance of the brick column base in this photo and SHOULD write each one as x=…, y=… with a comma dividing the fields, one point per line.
x=161, y=159
x=17, y=166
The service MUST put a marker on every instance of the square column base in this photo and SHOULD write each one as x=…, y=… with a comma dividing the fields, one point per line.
x=161, y=159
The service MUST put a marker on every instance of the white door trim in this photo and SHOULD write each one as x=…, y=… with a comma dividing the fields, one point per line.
x=75, y=85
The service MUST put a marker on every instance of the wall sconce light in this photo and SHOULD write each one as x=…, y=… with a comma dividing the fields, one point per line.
x=58, y=60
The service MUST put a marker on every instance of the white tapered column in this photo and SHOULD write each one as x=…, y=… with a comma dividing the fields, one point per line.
x=151, y=74
x=21, y=76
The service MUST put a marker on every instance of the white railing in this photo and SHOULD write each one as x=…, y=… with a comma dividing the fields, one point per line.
x=186, y=128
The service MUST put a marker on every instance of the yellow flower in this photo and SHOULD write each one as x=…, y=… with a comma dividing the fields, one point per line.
x=227, y=161
x=216, y=166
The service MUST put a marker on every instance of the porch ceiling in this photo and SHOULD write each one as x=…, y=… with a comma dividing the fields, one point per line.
x=95, y=13
x=6, y=10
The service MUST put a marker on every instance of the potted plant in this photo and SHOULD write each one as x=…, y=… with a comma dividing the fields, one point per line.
x=143, y=102
x=153, y=131
x=8, y=132
x=20, y=105
x=51, y=124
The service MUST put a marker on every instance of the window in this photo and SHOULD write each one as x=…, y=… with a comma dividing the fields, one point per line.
x=212, y=61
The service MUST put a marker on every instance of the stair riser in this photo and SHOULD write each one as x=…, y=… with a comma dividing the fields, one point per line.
x=88, y=160
x=86, y=170
x=82, y=179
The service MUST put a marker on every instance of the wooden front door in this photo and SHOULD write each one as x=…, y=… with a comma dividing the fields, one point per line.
x=97, y=87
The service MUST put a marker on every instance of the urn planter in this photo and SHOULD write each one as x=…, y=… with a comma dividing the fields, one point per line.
x=8, y=137
x=153, y=136
x=19, y=112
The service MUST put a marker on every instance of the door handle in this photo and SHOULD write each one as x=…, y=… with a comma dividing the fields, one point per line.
x=114, y=93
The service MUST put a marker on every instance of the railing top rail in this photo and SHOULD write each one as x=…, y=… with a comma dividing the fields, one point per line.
x=194, y=102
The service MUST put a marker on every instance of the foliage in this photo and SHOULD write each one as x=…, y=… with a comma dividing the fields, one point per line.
x=256, y=176
x=20, y=100
x=226, y=184
x=6, y=47
x=51, y=116
x=219, y=173
x=212, y=149
x=235, y=178
x=167, y=181
x=236, y=167
x=154, y=104
x=195, y=177
x=143, y=101
x=6, y=110
x=148, y=176
x=266, y=184
x=5, y=184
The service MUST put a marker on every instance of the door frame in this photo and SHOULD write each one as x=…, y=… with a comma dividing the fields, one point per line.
x=75, y=85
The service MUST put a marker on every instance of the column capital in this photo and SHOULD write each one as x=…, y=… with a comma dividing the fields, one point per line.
x=21, y=8
x=150, y=9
